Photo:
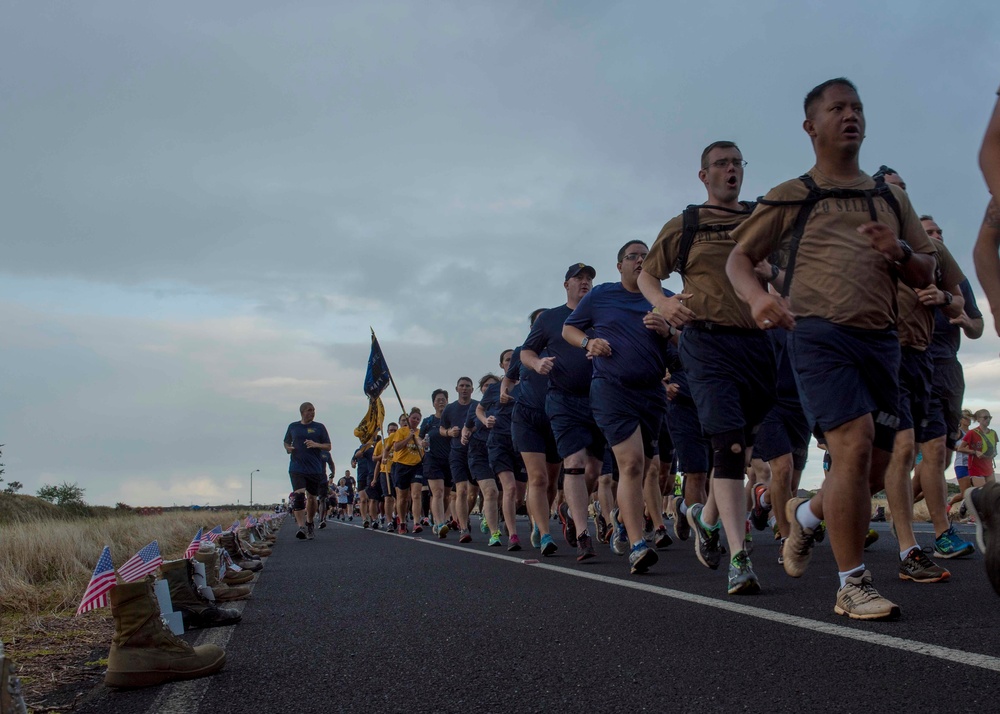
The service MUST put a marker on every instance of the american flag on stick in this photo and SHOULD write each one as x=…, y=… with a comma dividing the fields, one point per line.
x=142, y=563
x=101, y=582
x=195, y=544
x=213, y=535
x=236, y=524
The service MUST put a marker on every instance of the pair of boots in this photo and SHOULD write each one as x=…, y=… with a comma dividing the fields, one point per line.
x=196, y=609
x=261, y=551
x=144, y=652
x=223, y=591
x=243, y=560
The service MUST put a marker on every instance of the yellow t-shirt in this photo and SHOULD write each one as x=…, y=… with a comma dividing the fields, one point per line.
x=384, y=449
x=412, y=454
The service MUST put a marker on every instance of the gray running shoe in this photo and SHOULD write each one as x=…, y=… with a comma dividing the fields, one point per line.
x=301, y=533
x=799, y=544
x=682, y=529
x=619, y=536
x=859, y=600
x=706, y=543
x=916, y=566
x=584, y=547
x=742, y=579
x=641, y=558
x=310, y=531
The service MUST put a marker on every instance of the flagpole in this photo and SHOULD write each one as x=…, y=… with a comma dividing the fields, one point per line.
x=389, y=372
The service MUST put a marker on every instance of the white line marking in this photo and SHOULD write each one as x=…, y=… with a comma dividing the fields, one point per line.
x=948, y=654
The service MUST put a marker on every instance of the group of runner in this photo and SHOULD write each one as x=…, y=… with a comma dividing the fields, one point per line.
x=829, y=307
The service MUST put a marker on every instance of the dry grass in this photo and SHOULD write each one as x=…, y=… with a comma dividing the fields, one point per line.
x=45, y=564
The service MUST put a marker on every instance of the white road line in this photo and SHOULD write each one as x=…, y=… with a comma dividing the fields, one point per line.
x=948, y=654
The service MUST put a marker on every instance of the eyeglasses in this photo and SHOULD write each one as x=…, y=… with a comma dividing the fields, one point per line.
x=723, y=163
x=634, y=256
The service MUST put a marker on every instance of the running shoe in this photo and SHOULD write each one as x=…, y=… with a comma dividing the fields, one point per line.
x=569, y=527
x=662, y=539
x=859, y=600
x=536, y=536
x=820, y=533
x=484, y=526
x=602, y=528
x=951, y=545
x=548, y=545
x=496, y=540
x=983, y=504
x=301, y=533
x=800, y=541
x=619, y=536
x=641, y=558
x=706, y=544
x=391, y=528
x=781, y=551
x=682, y=529
x=759, y=514
x=742, y=579
x=465, y=537
x=424, y=521
x=585, y=547
x=418, y=528
x=513, y=543
x=916, y=566
x=350, y=518
x=871, y=538
x=310, y=531
x=442, y=530
x=647, y=529
x=454, y=524
x=365, y=524
x=747, y=539
x=402, y=529
x=374, y=525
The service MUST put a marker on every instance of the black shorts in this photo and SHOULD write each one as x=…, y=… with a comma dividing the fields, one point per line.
x=916, y=371
x=732, y=373
x=404, y=475
x=610, y=465
x=479, y=460
x=504, y=458
x=324, y=489
x=664, y=444
x=435, y=470
x=947, y=394
x=573, y=424
x=310, y=482
x=693, y=450
x=532, y=433
x=620, y=410
x=783, y=431
x=844, y=373
x=458, y=462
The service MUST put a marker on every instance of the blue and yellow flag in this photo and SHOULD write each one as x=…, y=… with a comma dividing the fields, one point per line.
x=377, y=376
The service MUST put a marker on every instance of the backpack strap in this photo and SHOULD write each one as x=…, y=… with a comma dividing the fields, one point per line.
x=691, y=228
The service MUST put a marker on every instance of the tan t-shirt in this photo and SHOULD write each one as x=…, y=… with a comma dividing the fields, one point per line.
x=916, y=321
x=712, y=295
x=837, y=275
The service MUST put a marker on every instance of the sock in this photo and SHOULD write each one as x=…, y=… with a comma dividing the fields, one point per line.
x=705, y=525
x=771, y=521
x=846, y=574
x=904, y=553
x=805, y=516
x=684, y=508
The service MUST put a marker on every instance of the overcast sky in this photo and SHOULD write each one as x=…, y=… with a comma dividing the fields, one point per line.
x=205, y=205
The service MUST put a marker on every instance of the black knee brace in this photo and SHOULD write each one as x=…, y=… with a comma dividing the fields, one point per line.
x=298, y=501
x=729, y=464
x=574, y=472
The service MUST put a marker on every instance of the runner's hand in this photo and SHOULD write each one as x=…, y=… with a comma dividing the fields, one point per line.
x=674, y=310
x=545, y=364
x=657, y=323
x=598, y=347
x=770, y=311
x=883, y=239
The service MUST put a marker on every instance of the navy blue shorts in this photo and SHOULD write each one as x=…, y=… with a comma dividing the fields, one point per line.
x=732, y=373
x=438, y=471
x=403, y=475
x=844, y=373
x=458, y=461
x=784, y=430
x=504, y=458
x=693, y=450
x=573, y=424
x=479, y=460
x=665, y=445
x=363, y=480
x=610, y=465
x=916, y=371
x=312, y=483
x=620, y=410
x=532, y=433
x=947, y=394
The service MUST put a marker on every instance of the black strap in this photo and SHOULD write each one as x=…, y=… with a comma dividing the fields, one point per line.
x=691, y=228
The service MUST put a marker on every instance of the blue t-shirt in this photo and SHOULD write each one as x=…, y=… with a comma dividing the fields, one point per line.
x=571, y=371
x=638, y=355
x=439, y=444
x=531, y=386
x=479, y=430
x=366, y=464
x=947, y=338
x=502, y=412
x=304, y=460
x=455, y=414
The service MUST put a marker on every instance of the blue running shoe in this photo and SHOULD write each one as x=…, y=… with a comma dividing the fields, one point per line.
x=548, y=545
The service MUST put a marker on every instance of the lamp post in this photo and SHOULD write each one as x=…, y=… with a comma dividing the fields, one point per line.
x=251, y=485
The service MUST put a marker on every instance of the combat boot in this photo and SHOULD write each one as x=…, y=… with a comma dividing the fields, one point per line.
x=254, y=549
x=237, y=577
x=229, y=542
x=144, y=652
x=223, y=592
x=198, y=611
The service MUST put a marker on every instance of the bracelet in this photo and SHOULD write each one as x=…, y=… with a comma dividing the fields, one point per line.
x=775, y=271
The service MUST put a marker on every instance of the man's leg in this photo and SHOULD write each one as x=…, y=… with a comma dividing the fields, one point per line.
x=846, y=500
x=488, y=488
x=575, y=487
x=437, y=500
x=898, y=490
x=538, y=500
x=416, y=504
x=509, y=501
x=631, y=467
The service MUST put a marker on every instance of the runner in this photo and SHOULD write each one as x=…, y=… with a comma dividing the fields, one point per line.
x=729, y=364
x=305, y=441
x=408, y=456
x=383, y=467
x=437, y=472
x=452, y=419
x=628, y=350
x=477, y=425
x=843, y=255
x=567, y=403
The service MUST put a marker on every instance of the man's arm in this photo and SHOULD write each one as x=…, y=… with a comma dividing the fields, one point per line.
x=989, y=153
x=672, y=308
x=531, y=360
x=768, y=310
x=596, y=347
x=986, y=260
x=933, y=296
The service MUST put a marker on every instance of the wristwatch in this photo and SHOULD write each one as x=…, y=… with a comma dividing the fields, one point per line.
x=583, y=343
x=907, y=252
x=948, y=298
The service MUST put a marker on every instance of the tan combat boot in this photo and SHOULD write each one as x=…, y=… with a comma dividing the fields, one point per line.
x=232, y=546
x=197, y=611
x=237, y=577
x=144, y=652
x=255, y=549
x=209, y=557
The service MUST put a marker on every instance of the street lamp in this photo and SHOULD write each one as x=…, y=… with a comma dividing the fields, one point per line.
x=251, y=485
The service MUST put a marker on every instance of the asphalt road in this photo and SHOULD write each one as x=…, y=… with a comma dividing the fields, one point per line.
x=364, y=621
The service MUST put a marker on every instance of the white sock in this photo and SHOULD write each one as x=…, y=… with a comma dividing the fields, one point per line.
x=805, y=516
x=904, y=553
x=853, y=571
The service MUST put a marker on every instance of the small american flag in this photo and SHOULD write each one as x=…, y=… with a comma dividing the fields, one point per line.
x=236, y=524
x=213, y=535
x=101, y=582
x=142, y=563
x=195, y=543
x=227, y=562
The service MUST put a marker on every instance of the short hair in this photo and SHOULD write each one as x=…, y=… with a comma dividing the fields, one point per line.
x=927, y=217
x=716, y=145
x=486, y=378
x=467, y=379
x=884, y=170
x=621, y=251
x=416, y=410
x=392, y=423
x=305, y=405
x=534, y=315
x=436, y=392
x=816, y=93
x=503, y=353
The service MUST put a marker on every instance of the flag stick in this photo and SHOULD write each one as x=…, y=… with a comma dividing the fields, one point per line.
x=389, y=372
